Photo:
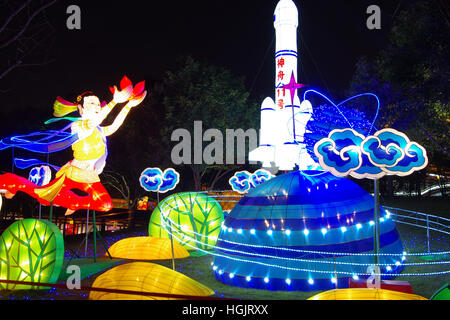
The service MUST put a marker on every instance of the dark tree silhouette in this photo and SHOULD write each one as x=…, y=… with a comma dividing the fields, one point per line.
x=25, y=35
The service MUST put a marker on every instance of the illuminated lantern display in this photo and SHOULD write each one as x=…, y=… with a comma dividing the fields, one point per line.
x=142, y=203
x=70, y=227
x=303, y=230
x=147, y=248
x=145, y=277
x=387, y=152
x=156, y=180
x=283, y=121
x=290, y=127
x=243, y=181
x=88, y=141
x=40, y=176
x=193, y=218
x=31, y=250
x=365, y=294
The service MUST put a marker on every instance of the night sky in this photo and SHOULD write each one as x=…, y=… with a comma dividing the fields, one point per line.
x=142, y=39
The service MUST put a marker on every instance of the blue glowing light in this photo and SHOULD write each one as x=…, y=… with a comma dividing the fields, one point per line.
x=26, y=163
x=330, y=116
x=345, y=101
x=41, y=142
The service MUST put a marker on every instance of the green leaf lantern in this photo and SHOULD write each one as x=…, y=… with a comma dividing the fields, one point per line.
x=31, y=250
x=194, y=218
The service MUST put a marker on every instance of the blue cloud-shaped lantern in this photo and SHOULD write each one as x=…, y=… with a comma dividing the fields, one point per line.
x=170, y=180
x=156, y=180
x=260, y=176
x=340, y=151
x=393, y=151
x=387, y=152
x=240, y=181
x=243, y=181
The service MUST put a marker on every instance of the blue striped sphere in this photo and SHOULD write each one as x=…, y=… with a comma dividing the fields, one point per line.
x=304, y=230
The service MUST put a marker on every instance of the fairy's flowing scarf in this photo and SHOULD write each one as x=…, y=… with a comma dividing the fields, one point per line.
x=48, y=141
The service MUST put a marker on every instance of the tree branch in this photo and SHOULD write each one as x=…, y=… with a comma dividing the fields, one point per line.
x=10, y=68
x=13, y=15
x=114, y=182
x=220, y=174
x=14, y=38
x=22, y=65
x=20, y=57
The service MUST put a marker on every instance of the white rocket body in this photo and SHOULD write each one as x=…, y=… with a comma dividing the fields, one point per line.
x=283, y=123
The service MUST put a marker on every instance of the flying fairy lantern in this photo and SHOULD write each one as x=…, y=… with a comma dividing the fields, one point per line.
x=89, y=144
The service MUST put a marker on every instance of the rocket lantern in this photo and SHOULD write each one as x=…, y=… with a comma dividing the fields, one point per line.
x=283, y=121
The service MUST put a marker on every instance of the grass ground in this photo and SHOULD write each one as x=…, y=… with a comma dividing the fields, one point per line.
x=199, y=268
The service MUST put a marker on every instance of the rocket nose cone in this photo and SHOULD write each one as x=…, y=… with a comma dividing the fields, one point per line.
x=285, y=13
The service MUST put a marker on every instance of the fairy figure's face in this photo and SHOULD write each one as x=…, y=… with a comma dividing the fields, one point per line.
x=91, y=108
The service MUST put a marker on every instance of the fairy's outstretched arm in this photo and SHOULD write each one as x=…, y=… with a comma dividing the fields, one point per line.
x=106, y=110
x=119, y=97
x=108, y=130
